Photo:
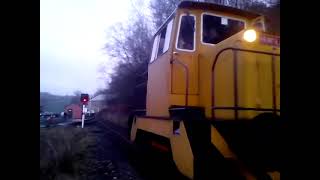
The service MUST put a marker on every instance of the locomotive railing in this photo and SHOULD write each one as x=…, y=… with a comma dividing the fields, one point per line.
x=236, y=107
x=186, y=70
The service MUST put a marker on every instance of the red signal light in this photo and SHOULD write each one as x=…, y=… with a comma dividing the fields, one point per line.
x=84, y=98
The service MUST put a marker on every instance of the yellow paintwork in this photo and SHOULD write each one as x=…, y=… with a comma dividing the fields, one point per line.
x=193, y=100
x=181, y=149
x=166, y=82
x=181, y=152
x=254, y=81
x=218, y=141
x=160, y=127
x=166, y=87
x=158, y=86
x=133, y=131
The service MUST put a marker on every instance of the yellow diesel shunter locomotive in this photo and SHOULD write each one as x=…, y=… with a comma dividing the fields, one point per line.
x=213, y=93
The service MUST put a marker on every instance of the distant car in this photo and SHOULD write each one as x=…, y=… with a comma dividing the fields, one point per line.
x=56, y=115
x=44, y=116
x=89, y=114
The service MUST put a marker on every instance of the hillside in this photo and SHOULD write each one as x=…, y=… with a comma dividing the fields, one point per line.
x=54, y=103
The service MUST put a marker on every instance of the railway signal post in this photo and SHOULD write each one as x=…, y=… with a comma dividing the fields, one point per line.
x=84, y=100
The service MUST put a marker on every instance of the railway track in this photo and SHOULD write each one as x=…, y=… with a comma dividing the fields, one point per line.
x=144, y=163
x=111, y=152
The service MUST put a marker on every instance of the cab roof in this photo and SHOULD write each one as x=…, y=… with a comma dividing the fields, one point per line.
x=216, y=7
x=213, y=7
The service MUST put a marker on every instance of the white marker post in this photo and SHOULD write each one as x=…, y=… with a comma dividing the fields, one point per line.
x=82, y=123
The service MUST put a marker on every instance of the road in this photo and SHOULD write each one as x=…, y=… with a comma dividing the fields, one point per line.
x=120, y=159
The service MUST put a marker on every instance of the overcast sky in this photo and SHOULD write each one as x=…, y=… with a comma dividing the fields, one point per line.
x=72, y=35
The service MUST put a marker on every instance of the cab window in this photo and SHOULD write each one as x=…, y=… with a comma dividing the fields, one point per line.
x=161, y=41
x=186, y=36
x=154, y=48
x=216, y=29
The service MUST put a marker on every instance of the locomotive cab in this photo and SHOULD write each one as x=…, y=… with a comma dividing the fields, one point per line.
x=213, y=91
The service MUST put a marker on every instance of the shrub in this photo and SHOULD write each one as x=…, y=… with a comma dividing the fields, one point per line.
x=64, y=153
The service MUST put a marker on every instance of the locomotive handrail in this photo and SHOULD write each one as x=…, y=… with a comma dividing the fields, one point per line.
x=235, y=59
x=244, y=108
x=240, y=49
x=186, y=70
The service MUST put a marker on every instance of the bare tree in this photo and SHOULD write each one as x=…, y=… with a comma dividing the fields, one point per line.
x=130, y=45
x=76, y=97
x=161, y=10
